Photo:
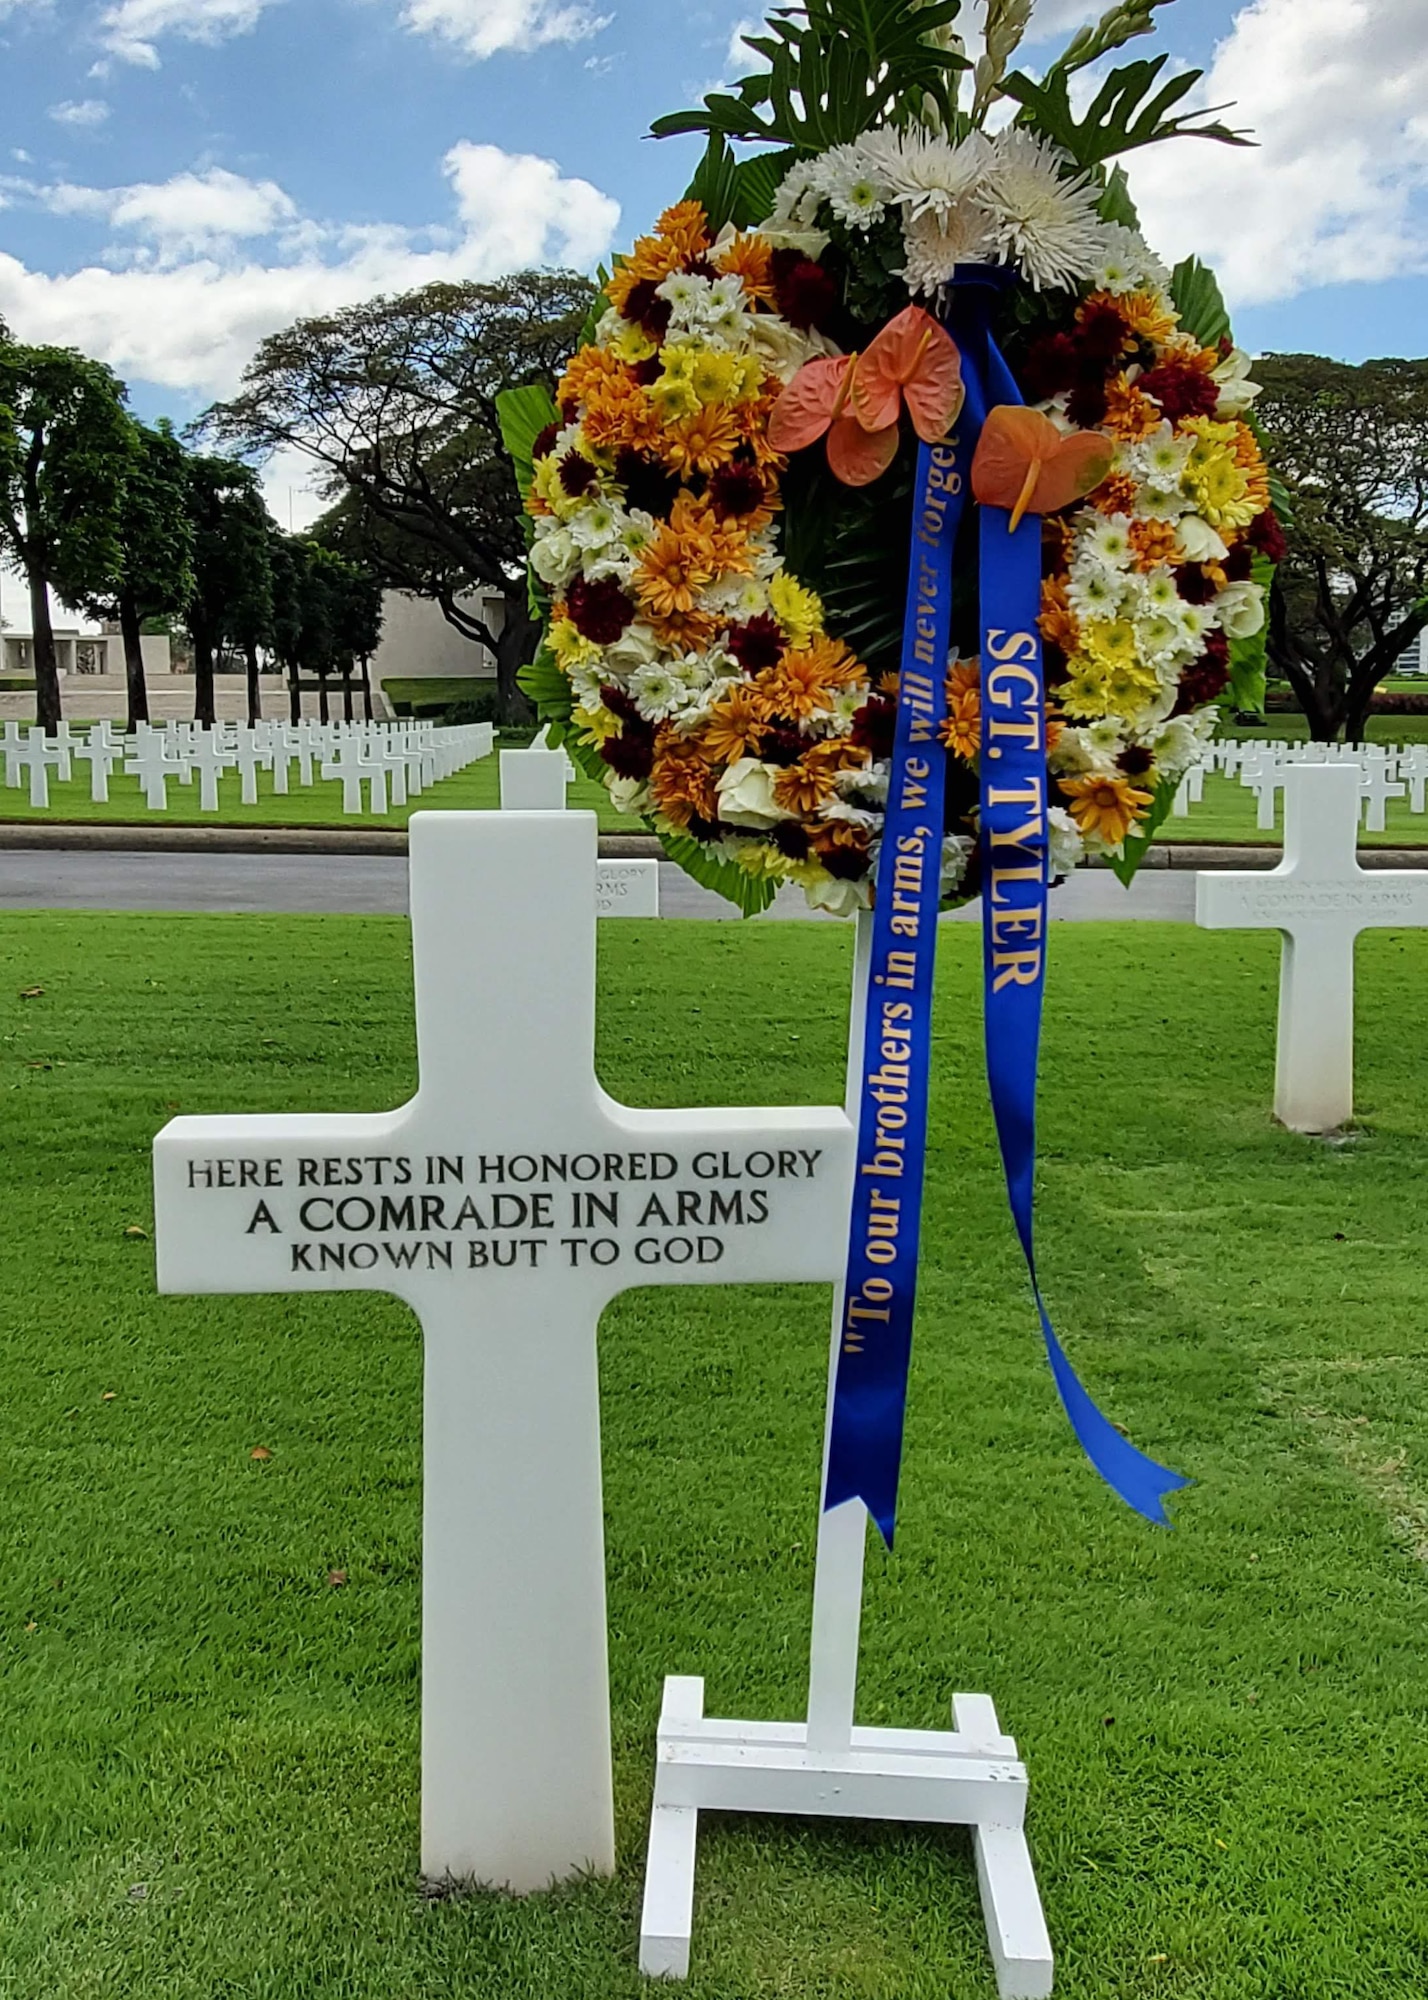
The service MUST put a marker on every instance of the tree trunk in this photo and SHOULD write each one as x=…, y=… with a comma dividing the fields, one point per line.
x=295, y=693
x=47, y=687
x=255, y=693
x=515, y=647
x=366, y=688
x=346, y=690
x=322, y=708
x=138, y=687
x=202, y=671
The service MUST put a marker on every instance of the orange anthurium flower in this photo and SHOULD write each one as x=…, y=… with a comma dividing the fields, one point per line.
x=857, y=399
x=1024, y=463
x=913, y=360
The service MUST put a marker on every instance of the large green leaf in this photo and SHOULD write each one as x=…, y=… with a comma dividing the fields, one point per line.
x=1129, y=110
x=523, y=414
x=1115, y=204
x=836, y=68
x=1199, y=302
x=1127, y=863
x=737, y=191
x=542, y=682
x=748, y=893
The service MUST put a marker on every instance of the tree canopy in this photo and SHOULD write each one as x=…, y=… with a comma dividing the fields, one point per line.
x=395, y=400
x=1351, y=445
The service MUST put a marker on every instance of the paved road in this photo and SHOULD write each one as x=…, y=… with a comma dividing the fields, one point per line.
x=376, y=885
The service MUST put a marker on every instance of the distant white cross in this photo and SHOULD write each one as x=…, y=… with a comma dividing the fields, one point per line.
x=534, y=780
x=1264, y=776
x=41, y=755
x=101, y=754
x=1376, y=788
x=210, y=756
x=352, y=764
x=249, y=757
x=1319, y=899
x=149, y=761
x=1413, y=768
x=508, y=1203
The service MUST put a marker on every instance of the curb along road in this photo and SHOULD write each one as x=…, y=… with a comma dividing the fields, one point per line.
x=109, y=837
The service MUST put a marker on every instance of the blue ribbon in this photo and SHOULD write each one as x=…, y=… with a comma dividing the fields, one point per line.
x=880, y=1286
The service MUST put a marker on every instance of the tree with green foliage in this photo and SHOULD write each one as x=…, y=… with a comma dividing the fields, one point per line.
x=395, y=400
x=1351, y=444
x=67, y=445
x=232, y=600
x=155, y=577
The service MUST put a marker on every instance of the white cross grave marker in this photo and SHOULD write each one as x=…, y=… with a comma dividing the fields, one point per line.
x=1320, y=899
x=352, y=764
x=533, y=780
x=507, y=1203
x=101, y=754
x=210, y=756
x=41, y=755
x=1376, y=788
x=149, y=761
x=1413, y=769
x=249, y=756
x=627, y=889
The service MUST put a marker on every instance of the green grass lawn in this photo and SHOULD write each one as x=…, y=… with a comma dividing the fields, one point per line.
x=476, y=789
x=1294, y=728
x=1228, y=809
x=208, y=1752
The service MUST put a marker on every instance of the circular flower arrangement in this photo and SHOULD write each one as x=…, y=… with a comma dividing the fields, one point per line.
x=720, y=503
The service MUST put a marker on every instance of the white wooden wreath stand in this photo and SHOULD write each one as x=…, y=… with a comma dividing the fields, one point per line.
x=969, y=1775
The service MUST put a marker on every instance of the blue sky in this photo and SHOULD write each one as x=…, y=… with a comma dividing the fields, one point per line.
x=177, y=177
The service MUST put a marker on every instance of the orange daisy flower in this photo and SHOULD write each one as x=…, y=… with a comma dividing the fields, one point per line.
x=961, y=731
x=590, y=371
x=701, y=443
x=1058, y=622
x=802, y=787
x=1129, y=414
x=683, y=781
x=1154, y=543
x=831, y=834
x=734, y=727
x=749, y=257
x=684, y=228
x=1108, y=807
x=1250, y=459
x=617, y=414
x=1115, y=495
x=1146, y=317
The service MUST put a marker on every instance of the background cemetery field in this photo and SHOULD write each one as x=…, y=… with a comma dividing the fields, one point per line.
x=1227, y=813
x=476, y=789
x=208, y=1725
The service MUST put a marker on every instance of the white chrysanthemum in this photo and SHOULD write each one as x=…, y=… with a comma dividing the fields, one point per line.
x=594, y=523
x=1107, y=541
x=1043, y=222
x=936, y=243
x=735, y=598
x=1127, y=263
x=855, y=195
x=924, y=174
x=956, y=853
x=586, y=680
x=1159, y=592
x=658, y=692
x=1159, y=637
x=612, y=563
x=1093, y=592
x=852, y=815
x=846, y=703
x=1074, y=757
x=1162, y=503
x=790, y=226
x=628, y=795
x=1199, y=621
x=1067, y=850
x=1160, y=459
x=1180, y=743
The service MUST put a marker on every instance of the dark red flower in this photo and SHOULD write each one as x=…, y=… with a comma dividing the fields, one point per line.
x=736, y=490
x=649, y=486
x=1208, y=676
x=806, y=294
x=646, y=310
x=569, y=410
x=874, y=725
x=700, y=267
x=782, y=745
x=1134, y=761
x=545, y=442
x=577, y=474
x=1086, y=405
x=848, y=864
x=1193, y=584
x=647, y=372
x=1049, y=367
x=599, y=611
x=790, y=837
x=1266, y=535
x=621, y=704
x=1100, y=333
x=631, y=753
x=756, y=644
x=1239, y=563
x=1181, y=389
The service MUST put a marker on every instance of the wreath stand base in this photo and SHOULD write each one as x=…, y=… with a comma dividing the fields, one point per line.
x=827, y=1767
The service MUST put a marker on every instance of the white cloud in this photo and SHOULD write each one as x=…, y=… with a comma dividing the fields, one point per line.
x=1336, y=92
x=85, y=116
x=179, y=303
x=483, y=28
x=131, y=28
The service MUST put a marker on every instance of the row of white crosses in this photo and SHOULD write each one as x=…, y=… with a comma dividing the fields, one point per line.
x=508, y=1203
x=395, y=761
x=1385, y=772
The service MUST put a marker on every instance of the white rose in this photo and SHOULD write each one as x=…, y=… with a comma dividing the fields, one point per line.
x=554, y=556
x=629, y=795
x=1240, y=608
x=746, y=795
x=1237, y=391
x=839, y=898
x=636, y=647
x=1066, y=847
x=1198, y=541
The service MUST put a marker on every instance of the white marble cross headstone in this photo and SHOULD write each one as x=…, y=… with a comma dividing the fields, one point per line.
x=533, y=780
x=1320, y=899
x=352, y=764
x=101, y=754
x=1376, y=788
x=249, y=756
x=508, y=1203
x=210, y=756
